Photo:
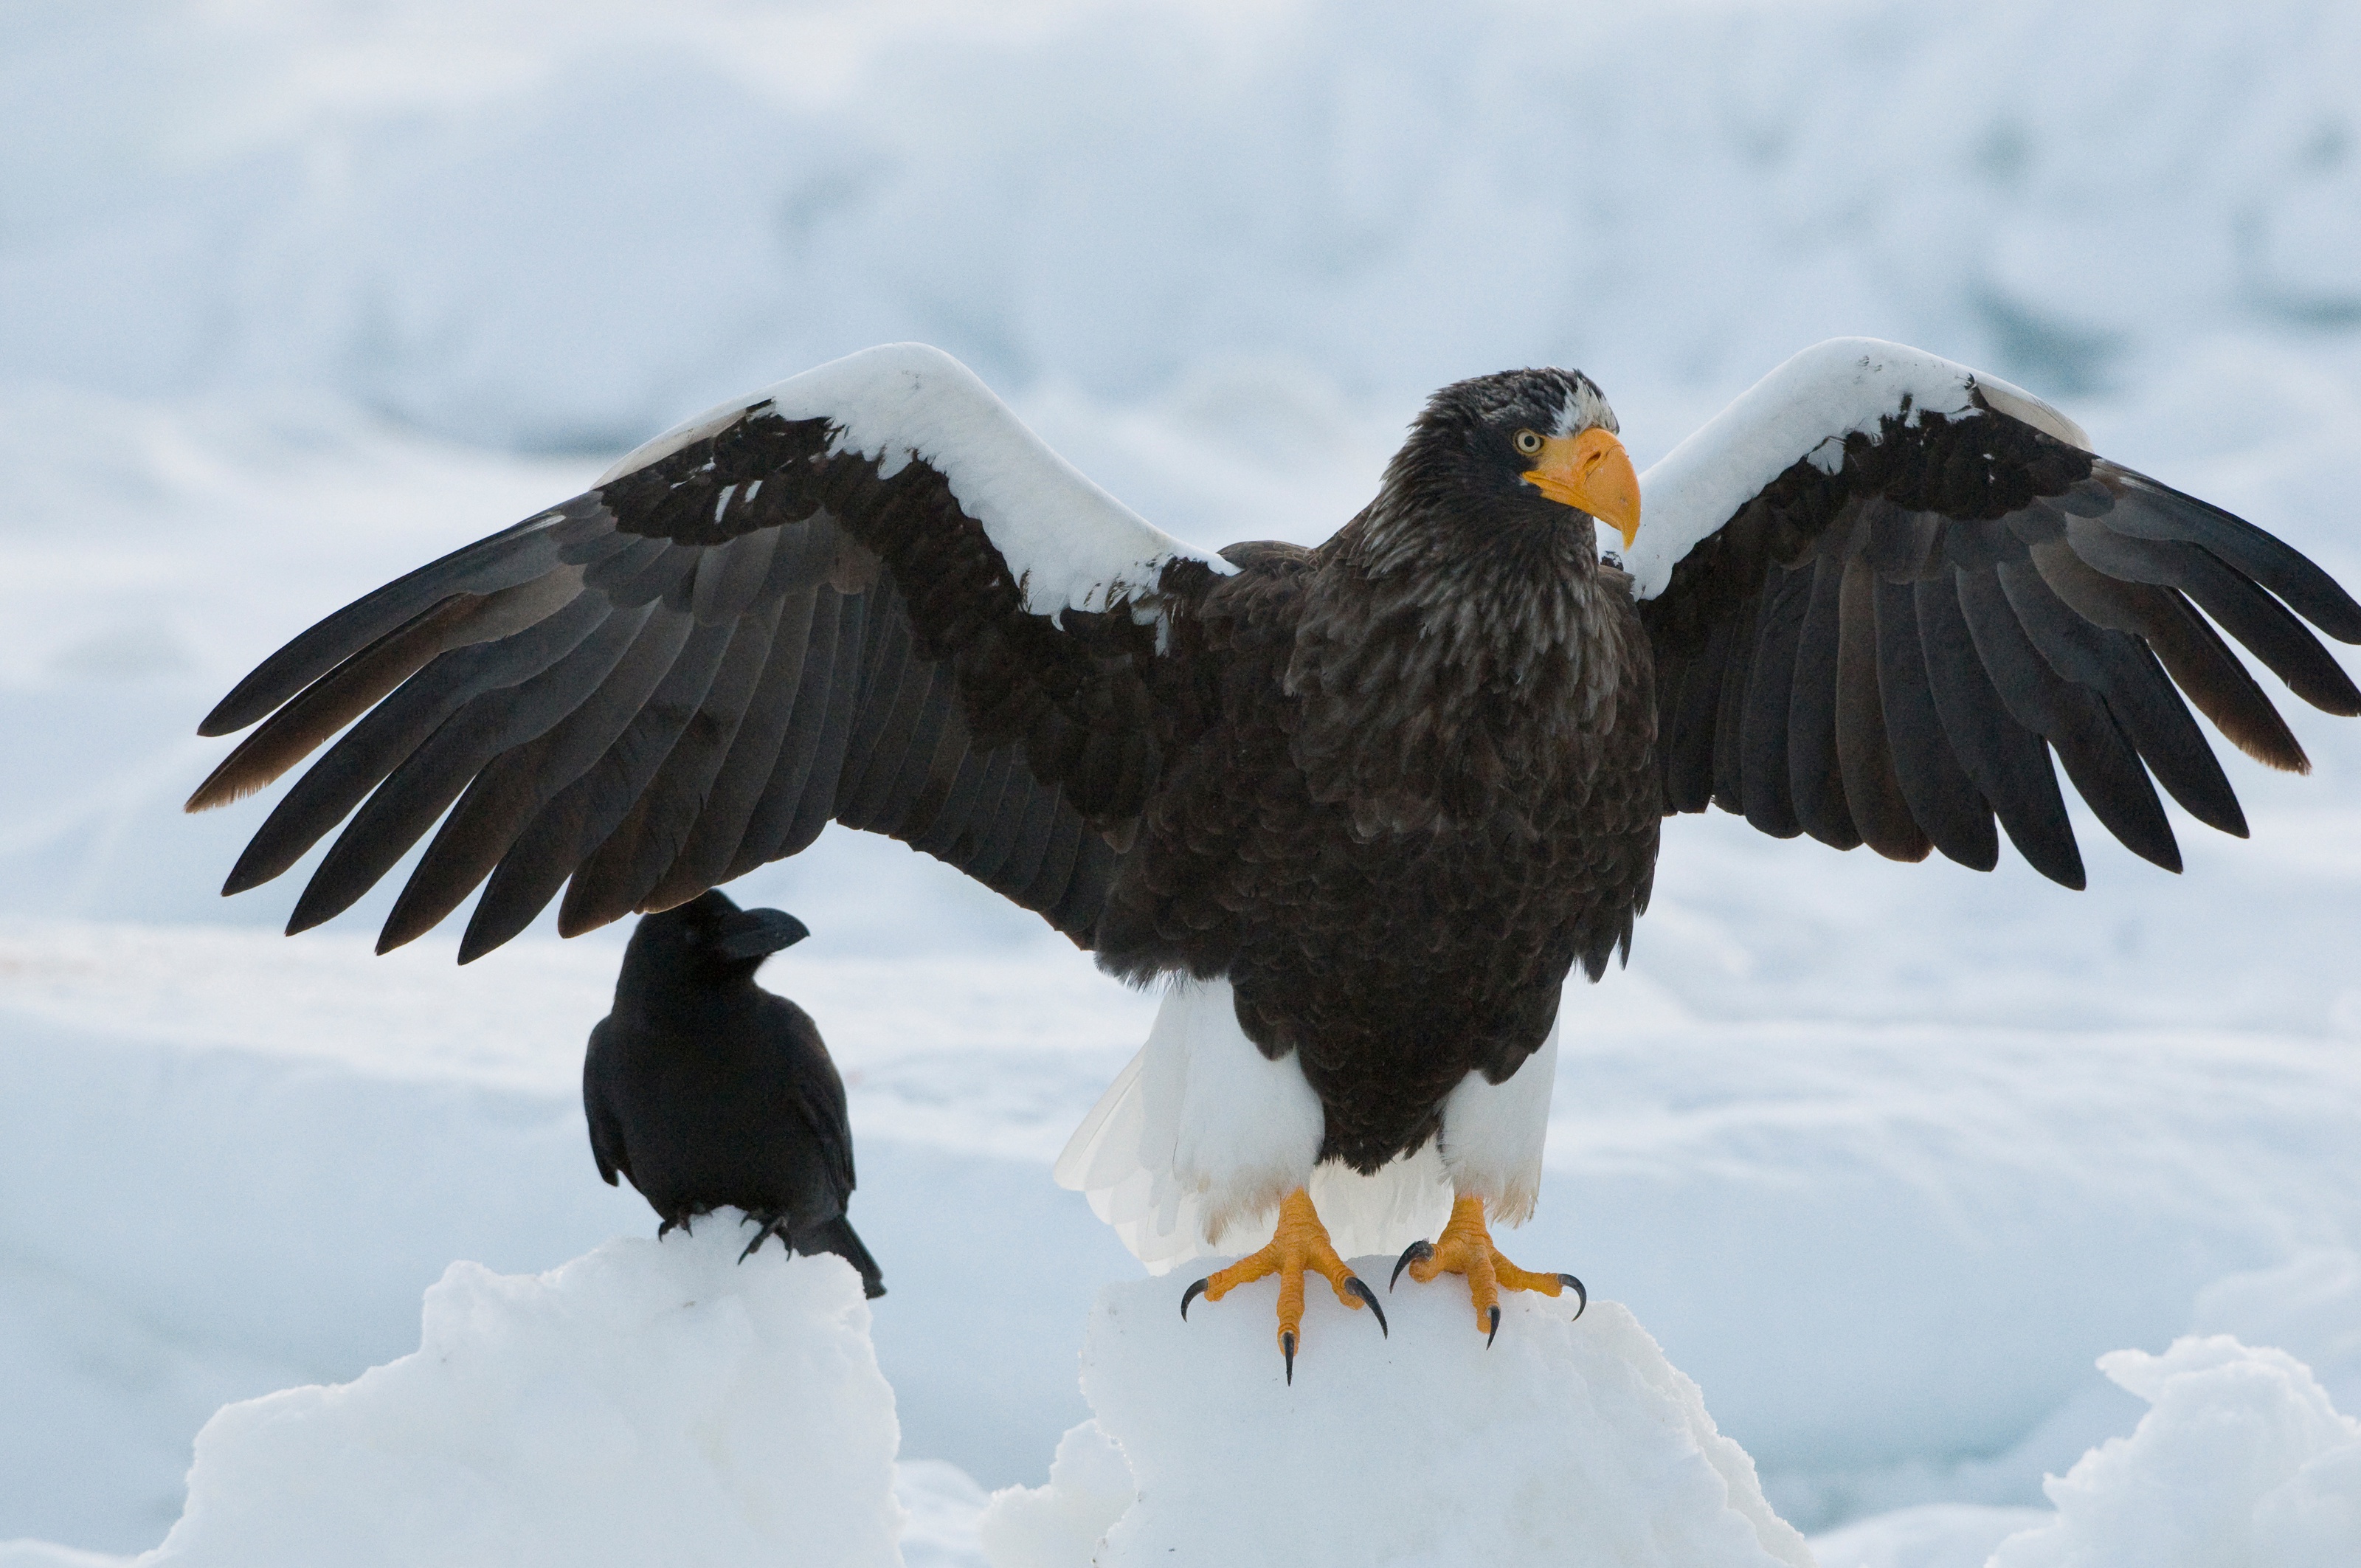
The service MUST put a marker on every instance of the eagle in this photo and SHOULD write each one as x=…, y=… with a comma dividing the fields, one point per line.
x=1360, y=808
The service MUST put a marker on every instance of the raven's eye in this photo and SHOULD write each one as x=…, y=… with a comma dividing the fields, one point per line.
x=1527, y=442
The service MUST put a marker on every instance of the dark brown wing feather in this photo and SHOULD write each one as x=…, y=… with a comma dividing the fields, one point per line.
x=688, y=671
x=1892, y=653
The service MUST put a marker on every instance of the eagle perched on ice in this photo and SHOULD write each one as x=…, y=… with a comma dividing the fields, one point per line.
x=1362, y=806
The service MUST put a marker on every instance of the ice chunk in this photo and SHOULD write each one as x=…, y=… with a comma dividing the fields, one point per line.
x=1061, y=1524
x=649, y=1402
x=2241, y=1459
x=1566, y=1441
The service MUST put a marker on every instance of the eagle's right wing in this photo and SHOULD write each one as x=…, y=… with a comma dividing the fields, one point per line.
x=869, y=594
x=1882, y=589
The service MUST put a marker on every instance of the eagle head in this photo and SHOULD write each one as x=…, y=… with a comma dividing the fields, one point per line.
x=1518, y=447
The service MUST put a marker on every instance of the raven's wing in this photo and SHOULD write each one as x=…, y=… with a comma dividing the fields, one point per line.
x=1882, y=588
x=605, y=1132
x=869, y=594
x=815, y=1089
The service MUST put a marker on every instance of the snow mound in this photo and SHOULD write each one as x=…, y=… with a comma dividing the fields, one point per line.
x=648, y=1402
x=2241, y=1459
x=1565, y=1441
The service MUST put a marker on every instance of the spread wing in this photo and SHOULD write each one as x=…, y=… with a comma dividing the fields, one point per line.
x=868, y=595
x=1884, y=589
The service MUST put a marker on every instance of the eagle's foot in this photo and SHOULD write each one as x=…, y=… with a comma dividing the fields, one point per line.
x=1300, y=1245
x=773, y=1225
x=1465, y=1248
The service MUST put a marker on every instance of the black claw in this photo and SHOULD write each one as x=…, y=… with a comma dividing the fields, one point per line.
x=770, y=1228
x=1287, y=1349
x=1199, y=1289
x=663, y=1230
x=1582, y=1297
x=1495, y=1328
x=1417, y=1252
x=1354, y=1283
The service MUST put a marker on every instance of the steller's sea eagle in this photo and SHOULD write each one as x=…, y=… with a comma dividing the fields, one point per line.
x=1363, y=807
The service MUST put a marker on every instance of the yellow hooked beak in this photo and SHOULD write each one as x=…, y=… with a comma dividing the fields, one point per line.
x=1592, y=473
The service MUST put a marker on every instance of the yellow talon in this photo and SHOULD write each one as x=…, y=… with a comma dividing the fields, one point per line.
x=1298, y=1246
x=1466, y=1247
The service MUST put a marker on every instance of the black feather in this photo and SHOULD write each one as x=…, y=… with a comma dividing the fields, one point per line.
x=1814, y=773
x=1943, y=800
x=737, y=790
x=2091, y=747
x=2008, y=762
x=1872, y=789
x=509, y=559
x=398, y=725
x=1763, y=770
x=2119, y=668
x=429, y=778
x=504, y=796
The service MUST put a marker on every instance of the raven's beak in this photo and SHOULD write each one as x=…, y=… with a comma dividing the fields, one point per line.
x=758, y=932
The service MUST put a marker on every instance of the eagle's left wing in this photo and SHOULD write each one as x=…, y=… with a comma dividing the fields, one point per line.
x=1882, y=589
x=867, y=594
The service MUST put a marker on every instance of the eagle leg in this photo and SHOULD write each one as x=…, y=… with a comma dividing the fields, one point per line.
x=1465, y=1248
x=1300, y=1245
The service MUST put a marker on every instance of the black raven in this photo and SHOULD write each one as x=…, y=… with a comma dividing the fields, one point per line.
x=706, y=1089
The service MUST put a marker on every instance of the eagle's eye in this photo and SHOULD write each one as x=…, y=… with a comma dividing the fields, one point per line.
x=1527, y=442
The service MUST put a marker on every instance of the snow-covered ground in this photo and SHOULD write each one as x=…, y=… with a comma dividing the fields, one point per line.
x=296, y=294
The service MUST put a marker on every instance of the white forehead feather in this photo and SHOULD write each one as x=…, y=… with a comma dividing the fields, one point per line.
x=1584, y=407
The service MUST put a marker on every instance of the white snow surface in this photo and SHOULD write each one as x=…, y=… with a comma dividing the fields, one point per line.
x=1069, y=544
x=296, y=294
x=648, y=1402
x=1564, y=1441
x=1803, y=409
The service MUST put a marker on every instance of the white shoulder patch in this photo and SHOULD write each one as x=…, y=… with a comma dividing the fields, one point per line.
x=1069, y=544
x=1802, y=411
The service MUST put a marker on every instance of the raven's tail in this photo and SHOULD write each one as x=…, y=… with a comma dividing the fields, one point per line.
x=838, y=1236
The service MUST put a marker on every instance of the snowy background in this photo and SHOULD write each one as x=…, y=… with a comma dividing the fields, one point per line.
x=297, y=293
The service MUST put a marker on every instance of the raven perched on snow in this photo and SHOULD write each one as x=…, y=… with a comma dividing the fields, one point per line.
x=706, y=1089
